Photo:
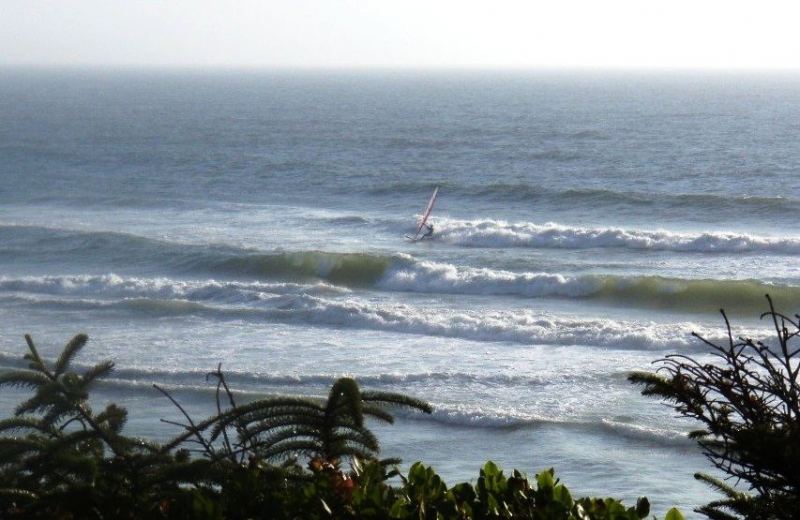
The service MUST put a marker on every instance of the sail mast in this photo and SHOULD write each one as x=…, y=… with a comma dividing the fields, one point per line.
x=428, y=209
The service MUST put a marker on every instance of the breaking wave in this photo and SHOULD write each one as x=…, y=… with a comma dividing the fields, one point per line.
x=236, y=276
x=639, y=291
x=321, y=274
x=114, y=286
x=521, y=326
x=500, y=233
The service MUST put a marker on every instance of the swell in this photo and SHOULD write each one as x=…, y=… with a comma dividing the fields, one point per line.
x=345, y=268
x=235, y=275
x=91, y=249
x=36, y=245
x=521, y=191
x=99, y=249
x=328, y=274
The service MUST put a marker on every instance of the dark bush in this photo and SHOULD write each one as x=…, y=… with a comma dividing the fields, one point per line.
x=749, y=406
x=274, y=458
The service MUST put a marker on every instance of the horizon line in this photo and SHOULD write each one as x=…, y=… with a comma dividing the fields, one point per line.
x=396, y=68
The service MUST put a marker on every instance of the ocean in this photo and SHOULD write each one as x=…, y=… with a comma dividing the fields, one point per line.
x=586, y=224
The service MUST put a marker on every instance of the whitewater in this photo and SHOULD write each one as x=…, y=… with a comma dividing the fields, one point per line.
x=586, y=226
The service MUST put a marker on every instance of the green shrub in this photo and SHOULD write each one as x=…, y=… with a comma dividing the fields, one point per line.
x=748, y=404
x=274, y=458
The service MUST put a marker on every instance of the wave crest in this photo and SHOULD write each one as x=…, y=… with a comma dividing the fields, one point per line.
x=500, y=233
x=403, y=273
x=638, y=291
x=522, y=327
x=344, y=268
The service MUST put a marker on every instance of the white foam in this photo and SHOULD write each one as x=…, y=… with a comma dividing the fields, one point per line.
x=501, y=233
x=309, y=304
x=409, y=275
x=521, y=326
x=114, y=286
x=473, y=415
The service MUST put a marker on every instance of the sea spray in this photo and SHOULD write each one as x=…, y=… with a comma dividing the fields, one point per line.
x=521, y=326
x=319, y=273
x=500, y=233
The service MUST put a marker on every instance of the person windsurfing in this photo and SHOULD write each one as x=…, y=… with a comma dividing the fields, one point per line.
x=423, y=220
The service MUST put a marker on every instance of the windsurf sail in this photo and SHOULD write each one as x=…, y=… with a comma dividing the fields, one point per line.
x=427, y=213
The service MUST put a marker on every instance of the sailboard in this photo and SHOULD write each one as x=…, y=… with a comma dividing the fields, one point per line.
x=425, y=214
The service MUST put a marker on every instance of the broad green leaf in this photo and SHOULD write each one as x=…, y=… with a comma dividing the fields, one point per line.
x=545, y=480
x=562, y=495
x=674, y=514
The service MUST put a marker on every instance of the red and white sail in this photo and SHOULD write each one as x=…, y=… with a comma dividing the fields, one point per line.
x=427, y=213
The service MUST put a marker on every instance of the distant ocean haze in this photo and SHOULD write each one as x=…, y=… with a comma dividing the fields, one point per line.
x=585, y=226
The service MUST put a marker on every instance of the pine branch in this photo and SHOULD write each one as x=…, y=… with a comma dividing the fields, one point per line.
x=24, y=379
x=292, y=423
x=99, y=370
x=298, y=434
x=70, y=351
x=26, y=423
x=12, y=448
x=288, y=448
x=46, y=397
x=720, y=486
x=397, y=399
x=362, y=437
x=36, y=361
x=377, y=412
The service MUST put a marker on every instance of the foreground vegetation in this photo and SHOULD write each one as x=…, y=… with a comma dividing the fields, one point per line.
x=288, y=457
x=279, y=457
x=748, y=404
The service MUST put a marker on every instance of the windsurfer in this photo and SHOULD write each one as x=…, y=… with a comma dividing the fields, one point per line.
x=423, y=220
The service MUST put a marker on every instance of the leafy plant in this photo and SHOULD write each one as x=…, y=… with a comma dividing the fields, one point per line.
x=278, y=428
x=60, y=459
x=58, y=455
x=496, y=496
x=62, y=456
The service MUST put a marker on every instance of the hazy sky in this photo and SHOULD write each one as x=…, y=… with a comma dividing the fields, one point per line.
x=405, y=33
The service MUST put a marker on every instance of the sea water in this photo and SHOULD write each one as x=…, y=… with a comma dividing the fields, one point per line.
x=587, y=223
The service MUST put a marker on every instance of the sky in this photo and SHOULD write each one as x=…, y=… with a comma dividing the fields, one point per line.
x=532, y=34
